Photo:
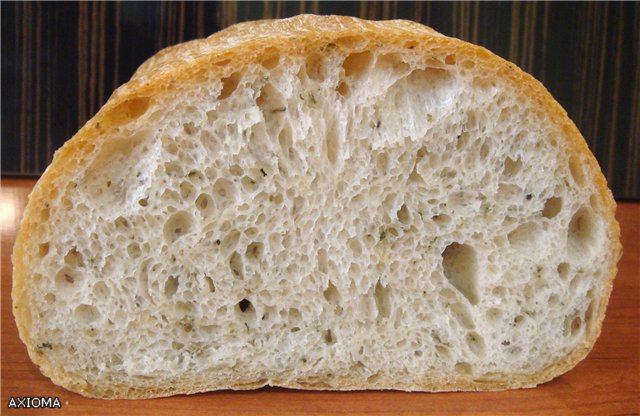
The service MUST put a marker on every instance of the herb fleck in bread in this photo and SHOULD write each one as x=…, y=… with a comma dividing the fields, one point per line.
x=319, y=203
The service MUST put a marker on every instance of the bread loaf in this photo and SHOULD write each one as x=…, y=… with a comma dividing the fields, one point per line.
x=317, y=203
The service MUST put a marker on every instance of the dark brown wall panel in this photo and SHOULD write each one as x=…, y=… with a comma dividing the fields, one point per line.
x=62, y=60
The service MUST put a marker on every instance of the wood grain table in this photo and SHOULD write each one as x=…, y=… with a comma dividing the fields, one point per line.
x=607, y=382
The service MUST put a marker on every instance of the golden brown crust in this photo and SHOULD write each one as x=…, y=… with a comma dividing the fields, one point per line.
x=250, y=42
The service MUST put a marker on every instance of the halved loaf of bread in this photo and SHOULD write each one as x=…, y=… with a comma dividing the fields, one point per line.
x=317, y=203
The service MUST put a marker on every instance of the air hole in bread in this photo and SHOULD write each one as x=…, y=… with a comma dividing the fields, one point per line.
x=588, y=316
x=582, y=230
x=169, y=146
x=285, y=141
x=403, y=214
x=351, y=42
x=441, y=219
x=67, y=205
x=382, y=296
x=251, y=232
x=552, y=207
x=331, y=294
x=173, y=169
x=189, y=128
x=463, y=369
x=270, y=101
x=508, y=191
x=224, y=188
x=392, y=231
x=328, y=337
x=494, y=315
x=357, y=64
x=122, y=223
x=462, y=140
x=236, y=170
x=443, y=352
x=260, y=219
x=468, y=64
x=332, y=143
x=411, y=44
x=212, y=146
x=236, y=266
x=525, y=236
x=294, y=316
x=578, y=282
x=382, y=162
x=229, y=85
x=131, y=109
x=133, y=250
x=115, y=360
x=254, y=251
x=244, y=305
x=209, y=281
x=322, y=261
x=177, y=345
x=575, y=167
x=355, y=246
x=462, y=314
x=475, y=343
x=354, y=272
x=100, y=290
x=50, y=298
x=500, y=291
x=171, y=286
x=187, y=190
x=572, y=325
x=184, y=309
x=415, y=177
x=249, y=184
x=43, y=249
x=246, y=312
x=484, y=151
x=66, y=278
x=286, y=241
x=450, y=59
x=204, y=204
x=511, y=167
x=195, y=176
x=342, y=88
x=73, y=258
x=86, y=314
x=448, y=173
x=178, y=225
x=45, y=212
x=392, y=64
x=271, y=58
x=564, y=269
x=460, y=268
x=415, y=174
x=517, y=320
x=315, y=67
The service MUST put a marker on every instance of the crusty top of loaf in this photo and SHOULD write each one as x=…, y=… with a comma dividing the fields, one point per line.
x=229, y=51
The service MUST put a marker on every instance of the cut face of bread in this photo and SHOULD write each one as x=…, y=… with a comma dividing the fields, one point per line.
x=323, y=203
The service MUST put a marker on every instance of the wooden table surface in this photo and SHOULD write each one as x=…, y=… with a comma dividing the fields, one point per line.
x=606, y=382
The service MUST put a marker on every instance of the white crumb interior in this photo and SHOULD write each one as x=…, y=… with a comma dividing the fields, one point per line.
x=363, y=216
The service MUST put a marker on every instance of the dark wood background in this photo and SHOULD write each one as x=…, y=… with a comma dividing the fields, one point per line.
x=62, y=60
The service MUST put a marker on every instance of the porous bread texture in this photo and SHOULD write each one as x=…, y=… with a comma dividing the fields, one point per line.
x=350, y=215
